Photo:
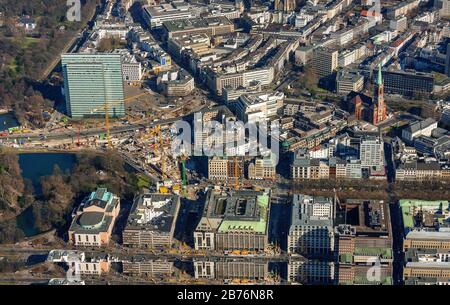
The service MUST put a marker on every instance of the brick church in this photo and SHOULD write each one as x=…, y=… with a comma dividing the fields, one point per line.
x=366, y=108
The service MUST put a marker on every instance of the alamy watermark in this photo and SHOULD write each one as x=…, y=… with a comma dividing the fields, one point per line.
x=231, y=138
x=374, y=272
x=74, y=11
x=374, y=13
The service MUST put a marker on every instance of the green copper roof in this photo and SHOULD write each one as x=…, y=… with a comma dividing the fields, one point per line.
x=418, y=203
x=253, y=226
x=407, y=204
x=379, y=78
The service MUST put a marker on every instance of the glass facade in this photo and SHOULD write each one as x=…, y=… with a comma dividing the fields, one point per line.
x=91, y=81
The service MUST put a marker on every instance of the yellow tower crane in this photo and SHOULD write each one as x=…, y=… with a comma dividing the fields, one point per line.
x=157, y=134
x=105, y=108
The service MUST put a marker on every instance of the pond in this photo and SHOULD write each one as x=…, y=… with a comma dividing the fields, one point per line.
x=37, y=165
x=34, y=166
x=7, y=120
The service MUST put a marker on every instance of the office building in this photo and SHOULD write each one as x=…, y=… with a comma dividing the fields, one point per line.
x=427, y=256
x=311, y=227
x=349, y=81
x=90, y=82
x=234, y=220
x=421, y=171
x=175, y=83
x=344, y=36
x=139, y=266
x=324, y=61
x=430, y=240
x=303, y=54
x=263, y=168
x=284, y=5
x=310, y=272
x=399, y=24
x=198, y=44
x=363, y=238
x=211, y=26
x=421, y=272
x=231, y=95
x=155, y=15
x=309, y=168
x=418, y=128
x=259, y=107
x=132, y=71
x=438, y=147
x=371, y=152
x=218, y=168
x=151, y=222
x=427, y=242
x=94, y=219
x=79, y=263
x=236, y=270
x=223, y=168
x=424, y=219
x=402, y=8
x=409, y=82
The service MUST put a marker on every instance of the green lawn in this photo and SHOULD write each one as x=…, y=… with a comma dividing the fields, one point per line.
x=27, y=41
x=143, y=181
x=13, y=66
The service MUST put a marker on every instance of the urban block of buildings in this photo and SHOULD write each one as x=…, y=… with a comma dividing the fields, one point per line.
x=234, y=220
x=152, y=220
x=426, y=241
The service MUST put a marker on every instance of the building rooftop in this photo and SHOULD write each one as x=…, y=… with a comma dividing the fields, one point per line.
x=420, y=125
x=409, y=205
x=86, y=223
x=304, y=211
x=348, y=76
x=430, y=235
x=428, y=265
x=367, y=217
x=198, y=23
x=167, y=9
x=153, y=212
x=89, y=221
x=237, y=211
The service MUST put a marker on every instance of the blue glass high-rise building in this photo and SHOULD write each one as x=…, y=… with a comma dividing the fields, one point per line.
x=91, y=81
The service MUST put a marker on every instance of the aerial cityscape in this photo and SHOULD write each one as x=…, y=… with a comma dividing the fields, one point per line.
x=212, y=142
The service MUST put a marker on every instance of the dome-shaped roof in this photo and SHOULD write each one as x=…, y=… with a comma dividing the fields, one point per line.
x=90, y=219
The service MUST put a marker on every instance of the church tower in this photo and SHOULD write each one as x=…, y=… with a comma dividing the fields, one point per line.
x=379, y=106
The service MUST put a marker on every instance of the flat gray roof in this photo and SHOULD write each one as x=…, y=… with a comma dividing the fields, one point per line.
x=428, y=235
